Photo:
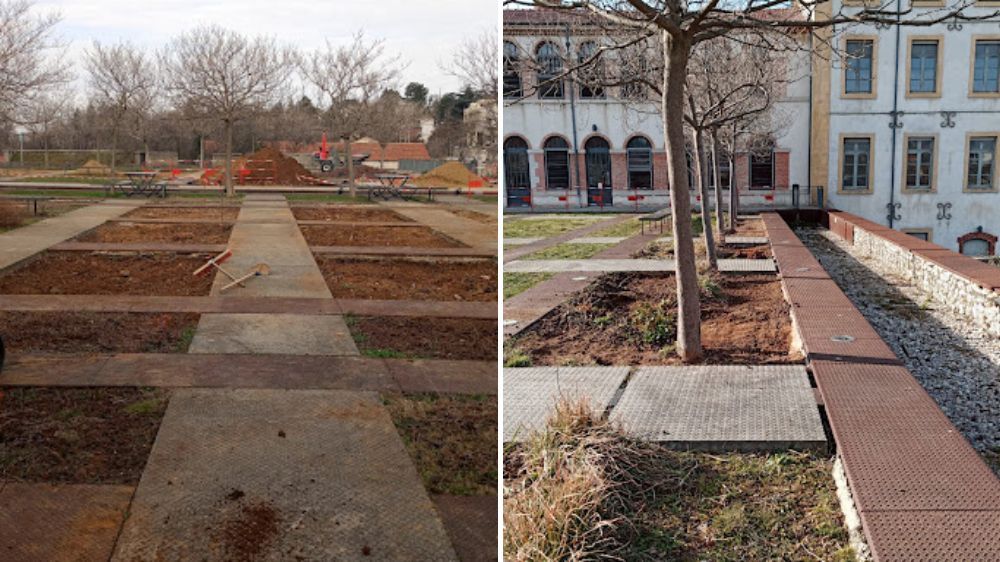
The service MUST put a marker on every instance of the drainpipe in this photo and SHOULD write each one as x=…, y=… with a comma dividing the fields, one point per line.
x=572, y=110
x=895, y=120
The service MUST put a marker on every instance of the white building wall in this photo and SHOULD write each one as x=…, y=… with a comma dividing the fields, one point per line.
x=921, y=116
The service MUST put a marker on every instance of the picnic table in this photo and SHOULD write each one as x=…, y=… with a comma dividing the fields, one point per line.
x=140, y=183
x=389, y=186
x=657, y=217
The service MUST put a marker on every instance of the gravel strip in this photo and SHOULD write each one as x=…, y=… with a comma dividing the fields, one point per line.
x=958, y=363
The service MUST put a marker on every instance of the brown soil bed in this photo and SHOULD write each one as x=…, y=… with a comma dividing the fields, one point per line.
x=403, y=279
x=665, y=250
x=97, y=332
x=169, y=233
x=359, y=235
x=109, y=273
x=14, y=214
x=451, y=438
x=750, y=227
x=78, y=435
x=630, y=319
x=347, y=214
x=426, y=338
x=185, y=213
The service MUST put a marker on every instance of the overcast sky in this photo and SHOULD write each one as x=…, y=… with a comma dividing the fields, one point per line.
x=424, y=33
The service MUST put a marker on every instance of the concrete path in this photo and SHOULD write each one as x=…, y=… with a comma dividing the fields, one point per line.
x=623, y=265
x=60, y=523
x=520, y=241
x=180, y=370
x=250, y=305
x=530, y=395
x=710, y=407
x=24, y=242
x=279, y=244
x=467, y=231
x=294, y=274
x=723, y=408
x=255, y=333
x=282, y=475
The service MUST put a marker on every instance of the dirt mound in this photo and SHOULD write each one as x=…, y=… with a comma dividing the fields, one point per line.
x=449, y=174
x=267, y=166
x=92, y=168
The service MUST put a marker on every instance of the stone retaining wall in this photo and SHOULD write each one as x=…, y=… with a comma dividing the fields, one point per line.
x=966, y=286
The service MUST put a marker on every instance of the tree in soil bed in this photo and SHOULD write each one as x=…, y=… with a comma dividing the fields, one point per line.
x=672, y=29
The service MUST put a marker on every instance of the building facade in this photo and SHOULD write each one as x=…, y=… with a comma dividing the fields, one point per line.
x=570, y=144
x=898, y=124
x=910, y=119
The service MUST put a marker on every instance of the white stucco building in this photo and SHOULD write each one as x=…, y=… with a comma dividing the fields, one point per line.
x=575, y=145
x=910, y=119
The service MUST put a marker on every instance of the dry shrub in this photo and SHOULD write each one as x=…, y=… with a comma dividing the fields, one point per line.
x=568, y=490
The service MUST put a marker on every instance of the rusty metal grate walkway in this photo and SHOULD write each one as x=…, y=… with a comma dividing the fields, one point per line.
x=921, y=489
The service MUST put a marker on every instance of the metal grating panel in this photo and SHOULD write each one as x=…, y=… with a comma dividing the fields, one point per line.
x=941, y=536
x=531, y=394
x=746, y=266
x=899, y=449
x=768, y=407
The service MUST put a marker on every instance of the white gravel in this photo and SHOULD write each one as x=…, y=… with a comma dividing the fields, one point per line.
x=958, y=363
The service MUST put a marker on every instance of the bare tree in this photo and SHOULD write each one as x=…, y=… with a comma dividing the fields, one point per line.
x=44, y=113
x=475, y=63
x=348, y=79
x=226, y=76
x=122, y=81
x=28, y=61
x=678, y=26
x=730, y=80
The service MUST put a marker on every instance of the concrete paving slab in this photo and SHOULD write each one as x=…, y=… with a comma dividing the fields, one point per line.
x=723, y=408
x=520, y=241
x=531, y=394
x=24, y=242
x=286, y=475
x=471, y=522
x=598, y=240
x=747, y=266
x=60, y=523
x=287, y=334
x=746, y=240
x=467, y=231
x=602, y=265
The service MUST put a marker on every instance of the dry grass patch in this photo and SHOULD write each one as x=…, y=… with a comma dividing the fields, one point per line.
x=581, y=490
x=452, y=440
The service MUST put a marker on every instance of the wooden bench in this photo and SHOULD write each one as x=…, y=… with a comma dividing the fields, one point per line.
x=658, y=216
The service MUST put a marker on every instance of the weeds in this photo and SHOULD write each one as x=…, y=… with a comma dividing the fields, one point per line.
x=654, y=323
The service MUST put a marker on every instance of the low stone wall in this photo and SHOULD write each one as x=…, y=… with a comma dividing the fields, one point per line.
x=963, y=284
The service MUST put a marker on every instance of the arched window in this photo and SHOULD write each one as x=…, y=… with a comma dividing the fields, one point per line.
x=556, y=164
x=977, y=243
x=640, y=163
x=598, y=160
x=511, y=71
x=515, y=163
x=591, y=76
x=550, y=66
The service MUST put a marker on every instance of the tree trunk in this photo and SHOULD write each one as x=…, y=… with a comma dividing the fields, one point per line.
x=734, y=197
x=676, y=50
x=114, y=148
x=228, y=180
x=350, y=166
x=706, y=209
x=720, y=224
